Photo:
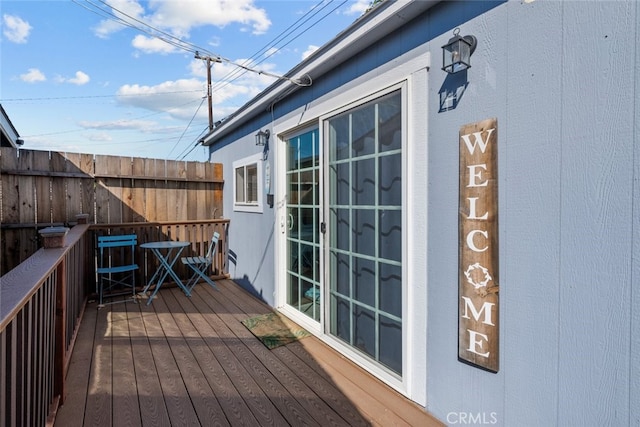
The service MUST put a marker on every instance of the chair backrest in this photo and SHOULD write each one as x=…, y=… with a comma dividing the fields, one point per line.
x=213, y=246
x=114, y=242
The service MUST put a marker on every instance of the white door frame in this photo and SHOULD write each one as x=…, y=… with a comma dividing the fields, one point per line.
x=411, y=73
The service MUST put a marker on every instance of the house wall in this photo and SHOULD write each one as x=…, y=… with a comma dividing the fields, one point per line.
x=250, y=234
x=569, y=160
x=562, y=80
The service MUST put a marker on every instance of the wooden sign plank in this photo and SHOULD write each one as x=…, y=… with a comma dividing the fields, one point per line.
x=478, y=281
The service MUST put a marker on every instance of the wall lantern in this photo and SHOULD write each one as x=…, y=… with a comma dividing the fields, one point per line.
x=262, y=137
x=456, y=54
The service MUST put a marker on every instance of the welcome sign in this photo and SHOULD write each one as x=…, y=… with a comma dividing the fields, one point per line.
x=478, y=283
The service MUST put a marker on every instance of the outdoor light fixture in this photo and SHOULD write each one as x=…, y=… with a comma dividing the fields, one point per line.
x=262, y=137
x=456, y=54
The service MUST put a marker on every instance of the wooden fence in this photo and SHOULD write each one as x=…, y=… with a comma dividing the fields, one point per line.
x=42, y=188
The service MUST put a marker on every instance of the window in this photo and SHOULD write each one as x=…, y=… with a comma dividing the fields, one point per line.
x=247, y=182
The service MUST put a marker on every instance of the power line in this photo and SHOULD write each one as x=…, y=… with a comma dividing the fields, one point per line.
x=175, y=41
x=194, y=146
x=116, y=15
x=288, y=31
x=187, y=128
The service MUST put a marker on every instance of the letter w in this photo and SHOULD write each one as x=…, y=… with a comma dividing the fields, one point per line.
x=471, y=146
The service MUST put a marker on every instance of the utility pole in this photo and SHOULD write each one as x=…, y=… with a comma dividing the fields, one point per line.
x=209, y=92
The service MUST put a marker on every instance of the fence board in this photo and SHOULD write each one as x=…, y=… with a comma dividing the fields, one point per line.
x=26, y=208
x=86, y=167
x=41, y=184
x=215, y=199
x=161, y=194
x=138, y=191
x=73, y=205
x=172, y=188
x=58, y=189
x=126, y=184
x=10, y=184
x=109, y=193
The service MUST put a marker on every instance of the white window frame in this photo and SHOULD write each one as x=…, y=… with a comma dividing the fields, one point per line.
x=257, y=206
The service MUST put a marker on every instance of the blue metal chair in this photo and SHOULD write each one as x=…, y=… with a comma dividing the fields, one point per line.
x=116, y=267
x=200, y=264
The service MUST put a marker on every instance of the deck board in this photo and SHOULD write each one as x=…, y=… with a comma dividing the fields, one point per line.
x=189, y=361
x=153, y=411
x=125, y=409
x=80, y=370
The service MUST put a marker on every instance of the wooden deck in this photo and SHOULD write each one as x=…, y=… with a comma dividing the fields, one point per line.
x=190, y=362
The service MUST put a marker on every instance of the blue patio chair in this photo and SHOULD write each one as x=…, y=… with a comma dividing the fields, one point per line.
x=116, y=267
x=200, y=264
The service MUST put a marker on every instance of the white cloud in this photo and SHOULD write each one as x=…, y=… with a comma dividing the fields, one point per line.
x=128, y=7
x=80, y=78
x=144, y=125
x=179, y=98
x=310, y=49
x=99, y=137
x=33, y=75
x=178, y=18
x=15, y=29
x=152, y=45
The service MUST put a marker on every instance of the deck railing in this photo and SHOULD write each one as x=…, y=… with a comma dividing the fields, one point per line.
x=42, y=302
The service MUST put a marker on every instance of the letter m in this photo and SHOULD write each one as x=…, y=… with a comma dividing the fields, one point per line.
x=478, y=141
x=486, y=307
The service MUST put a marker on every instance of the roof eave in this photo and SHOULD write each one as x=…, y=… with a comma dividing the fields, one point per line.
x=9, y=133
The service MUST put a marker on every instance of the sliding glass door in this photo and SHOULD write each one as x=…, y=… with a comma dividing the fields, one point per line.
x=352, y=180
x=365, y=229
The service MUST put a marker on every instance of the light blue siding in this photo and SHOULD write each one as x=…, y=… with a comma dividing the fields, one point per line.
x=568, y=137
x=563, y=80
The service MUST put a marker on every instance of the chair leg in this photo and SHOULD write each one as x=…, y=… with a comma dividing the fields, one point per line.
x=200, y=273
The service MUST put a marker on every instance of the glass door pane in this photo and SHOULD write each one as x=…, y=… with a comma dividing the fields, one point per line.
x=365, y=229
x=303, y=219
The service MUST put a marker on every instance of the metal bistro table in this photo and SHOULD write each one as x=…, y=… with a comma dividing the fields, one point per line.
x=167, y=253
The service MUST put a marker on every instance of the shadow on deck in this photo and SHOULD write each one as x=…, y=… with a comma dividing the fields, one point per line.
x=189, y=361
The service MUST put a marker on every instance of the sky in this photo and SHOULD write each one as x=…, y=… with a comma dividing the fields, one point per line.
x=121, y=77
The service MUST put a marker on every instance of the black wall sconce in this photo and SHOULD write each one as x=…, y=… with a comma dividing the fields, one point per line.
x=456, y=54
x=262, y=137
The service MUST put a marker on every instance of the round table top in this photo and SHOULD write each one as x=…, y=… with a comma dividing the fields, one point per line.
x=167, y=244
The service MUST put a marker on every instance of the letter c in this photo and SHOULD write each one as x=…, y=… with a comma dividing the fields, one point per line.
x=470, y=242
x=454, y=414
